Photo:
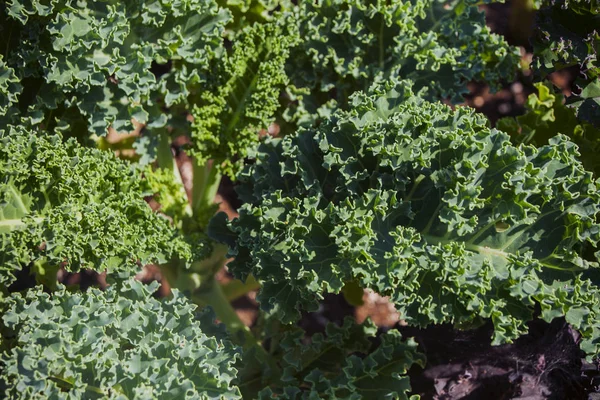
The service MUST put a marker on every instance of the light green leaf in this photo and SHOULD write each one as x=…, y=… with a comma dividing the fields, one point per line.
x=65, y=205
x=117, y=344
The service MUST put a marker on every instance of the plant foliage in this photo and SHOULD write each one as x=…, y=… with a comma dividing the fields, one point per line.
x=86, y=65
x=342, y=363
x=548, y=116
x=348, y=44
x=373, y=183
x=241, y=96
x=568, y=34
x=425, y=205
x=63, y=205
x=117, y=344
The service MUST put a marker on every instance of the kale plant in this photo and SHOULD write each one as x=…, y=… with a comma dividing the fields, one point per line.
x=372, y=183
x=66, y=206
x=86, y=65
x=347, y=45
x=117, y=344
x=426, y=205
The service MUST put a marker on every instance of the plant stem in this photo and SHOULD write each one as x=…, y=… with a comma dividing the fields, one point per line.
x=206, y=180
x=164, y=155
x=212, y=295
x=237, y=288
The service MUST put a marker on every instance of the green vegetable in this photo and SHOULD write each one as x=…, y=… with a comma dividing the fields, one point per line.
x=117, y=344
x=241, y=96
x=548, y=116
x=63, y=205
x=86, y=65
x=568, y=34
x=426, y=205
x=342, y=363
x=348, y=44
x=382, y=187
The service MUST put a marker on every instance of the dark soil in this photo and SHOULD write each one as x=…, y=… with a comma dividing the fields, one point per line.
x=545, y=364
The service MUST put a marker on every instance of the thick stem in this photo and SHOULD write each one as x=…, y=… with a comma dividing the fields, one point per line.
x=164, y=154
x=206, y=180
x=213, y=296
x=240, y=334
x=237, y=288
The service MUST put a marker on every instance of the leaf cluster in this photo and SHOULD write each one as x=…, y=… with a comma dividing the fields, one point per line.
x=344, y=362
x=116, y=344
x=349, y=44
x=240, y=95
x=66, y=206
x=85, y=66
x=382, y=187
x=547, y=116
x=426, y=205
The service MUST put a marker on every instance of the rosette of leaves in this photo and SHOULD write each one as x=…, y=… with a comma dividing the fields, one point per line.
x=547, y=116
x=117, y=344
x=86, y=65
x=347, y=44
x=345, y=362
x=426, y=205
x=63, y=205
x=568, y=34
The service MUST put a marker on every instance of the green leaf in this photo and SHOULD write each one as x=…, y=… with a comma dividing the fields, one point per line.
x=117, y=344
x=65, y=205
x=349, y=44
x=568, y=34
x=341, y=363
x=95, y=57
x=587, y=103
x=245, y=13
x=9, y=87
x=241, y=96
x=548, y=116
x=426, y=205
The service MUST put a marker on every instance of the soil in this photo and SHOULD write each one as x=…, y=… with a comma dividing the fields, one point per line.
x=545, y=364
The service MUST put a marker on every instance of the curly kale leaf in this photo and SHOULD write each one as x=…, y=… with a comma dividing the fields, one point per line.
x=248, y=12
x=548, y=116
x=347, y=44
x=9, y=87
x=117, y=344
x=241, y=96
x=169, y=193
x=568, y=34
x=350, y=361
x=87, y=64
x=65, y=205
x=426, y=205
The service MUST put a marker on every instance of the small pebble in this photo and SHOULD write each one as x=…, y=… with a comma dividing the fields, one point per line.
x=516, y=88
x=504, y=108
